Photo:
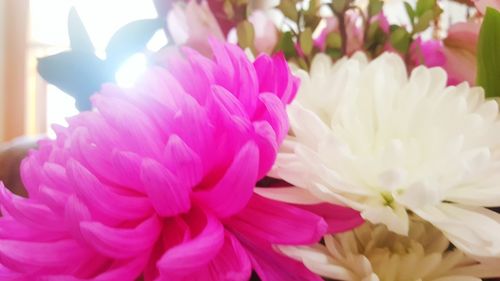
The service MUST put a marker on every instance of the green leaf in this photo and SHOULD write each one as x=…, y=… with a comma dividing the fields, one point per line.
x=372, y=30
x=375, y=36
x=286, y=45
x=334, y=40
x=334, y=53
x=246, y=34
x=488, y=56
x=289, y=9
x=400, y=39
x=339, y=6
x=410, y=12
x=374, y=7
x=306, y=41
x=437, y=11
x=423, y=6
x=228, y=9
x=423, y=21
x=314, y=6
x=302, y=63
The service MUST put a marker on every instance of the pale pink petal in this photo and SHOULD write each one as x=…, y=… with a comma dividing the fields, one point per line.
x=291, y=195
x=481, y=5
x=266, y=33
x=102, y=199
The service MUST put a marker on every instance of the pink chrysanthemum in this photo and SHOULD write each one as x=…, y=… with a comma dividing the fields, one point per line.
x=157, y=182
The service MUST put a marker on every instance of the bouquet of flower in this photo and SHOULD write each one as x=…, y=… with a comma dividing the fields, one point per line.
x=299, y=140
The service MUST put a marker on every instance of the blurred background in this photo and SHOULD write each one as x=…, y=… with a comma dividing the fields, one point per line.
x=30, y=29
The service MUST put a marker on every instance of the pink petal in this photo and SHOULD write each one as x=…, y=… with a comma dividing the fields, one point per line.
x=54, y=199
x=8, y=275
x=277, y=223
x=30, y=213
x=191, y=115
x=125, y=171
x=275, y=114
x=176, y=231
x=135, y=128
x=338, y=218
x=193, y=255
x=122, y=243
x=126, y=270
x=481, y=5
x=245, y=79
x=182, y=159
x=15, y=230
x=265, y=137
x=75, y=212
x=234, y=190
x=168, y=195
x=274, y=76
x=55, y=254
x=202, y=68
x=227, y=103
x=230, y=116
x=232, y=263
x=102, y=199
x=273, y=266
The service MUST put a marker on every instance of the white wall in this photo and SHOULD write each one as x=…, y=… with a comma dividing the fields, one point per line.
x=2, y=68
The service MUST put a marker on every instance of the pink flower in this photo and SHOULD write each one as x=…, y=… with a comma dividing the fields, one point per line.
x=460, y=49
x=266, y=33
x=456, y=54
x=192, y=24
x=353, y=30
x=158, y=181
x=429, y=53
x=481, y=5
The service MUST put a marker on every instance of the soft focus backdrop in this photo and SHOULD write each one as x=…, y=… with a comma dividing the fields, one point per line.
x=37, y=28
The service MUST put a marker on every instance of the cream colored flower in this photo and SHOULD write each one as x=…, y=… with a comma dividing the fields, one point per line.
x=366, y=135
x=372, y=253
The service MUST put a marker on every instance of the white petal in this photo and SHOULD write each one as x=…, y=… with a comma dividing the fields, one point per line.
x=474, y=230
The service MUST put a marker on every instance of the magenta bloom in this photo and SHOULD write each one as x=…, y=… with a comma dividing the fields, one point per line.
x=158, y=181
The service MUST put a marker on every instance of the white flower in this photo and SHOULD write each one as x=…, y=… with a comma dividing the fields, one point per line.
x=372, y=253
x=365, y=135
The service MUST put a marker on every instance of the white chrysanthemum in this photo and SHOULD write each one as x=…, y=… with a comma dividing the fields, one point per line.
x=372, y=253
x=368, y=136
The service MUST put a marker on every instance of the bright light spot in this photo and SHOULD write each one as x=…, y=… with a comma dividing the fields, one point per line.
x=103, y=18
x=158, y=41
x=59, y=107
x=130, y=70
